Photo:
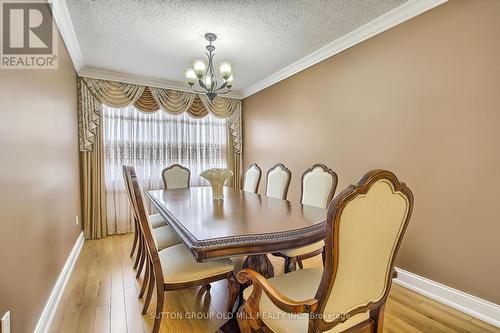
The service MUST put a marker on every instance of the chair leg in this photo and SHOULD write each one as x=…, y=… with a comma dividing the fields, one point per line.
x=136, y=236
x=150, y=292
x=139, y=252
x=234, y=291
x=159, y=308
x=145, y=280
x=377, y=315
x=290, y=264
x=299, y=262
x=141, y=262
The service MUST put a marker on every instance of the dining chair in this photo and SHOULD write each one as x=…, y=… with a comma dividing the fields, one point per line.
x=252, y=178
x=156, y=220
x=318, y=186
x=175, y=176
x=175, y=267
x=364, y=230
x=164, y=235
x=278, y=181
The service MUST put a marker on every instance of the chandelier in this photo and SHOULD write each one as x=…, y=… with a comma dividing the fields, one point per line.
x=204, y=75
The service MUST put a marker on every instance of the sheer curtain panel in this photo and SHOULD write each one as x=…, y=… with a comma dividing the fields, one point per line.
x=151, y=142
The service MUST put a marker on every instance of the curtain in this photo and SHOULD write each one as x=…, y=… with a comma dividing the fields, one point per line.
x=94, y=93
x=151, y=142
x=91, y=165
x=114, y=93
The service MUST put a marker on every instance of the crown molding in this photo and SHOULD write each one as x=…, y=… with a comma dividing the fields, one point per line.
x=61, y=16
x=102, y=74
x=382, y=23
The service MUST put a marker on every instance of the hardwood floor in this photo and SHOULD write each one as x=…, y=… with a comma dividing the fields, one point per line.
x=101, y=296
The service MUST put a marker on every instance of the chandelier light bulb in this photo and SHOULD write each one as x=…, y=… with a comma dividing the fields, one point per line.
x=225, y=69
x=190, y=76
x=230, y=79
x=199, y=68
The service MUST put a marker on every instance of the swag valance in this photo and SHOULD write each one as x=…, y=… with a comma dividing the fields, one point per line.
x=92, y=93
x=95, y=92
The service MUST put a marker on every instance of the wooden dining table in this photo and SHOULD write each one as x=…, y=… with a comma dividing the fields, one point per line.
x=242, y=224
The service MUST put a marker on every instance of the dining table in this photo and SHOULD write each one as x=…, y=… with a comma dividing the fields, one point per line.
x=242, y=224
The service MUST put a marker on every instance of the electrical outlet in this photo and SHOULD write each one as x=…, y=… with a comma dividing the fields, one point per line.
x=5, y=326
x=77, y=220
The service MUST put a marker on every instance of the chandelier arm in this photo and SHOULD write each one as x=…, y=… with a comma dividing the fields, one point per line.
x=222, y=86
x=207, y=71
x=215, y=86
x=225, y=92
x=202, y=84
x=198, y=91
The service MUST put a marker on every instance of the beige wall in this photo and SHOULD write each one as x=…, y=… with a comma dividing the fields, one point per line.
x=39, y=185
x=422, y=100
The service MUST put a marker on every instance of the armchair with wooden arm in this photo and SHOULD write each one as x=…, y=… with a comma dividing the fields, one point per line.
x=364, y=230
x=281, y=301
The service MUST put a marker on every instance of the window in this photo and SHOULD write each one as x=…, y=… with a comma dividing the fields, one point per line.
x=151, y=142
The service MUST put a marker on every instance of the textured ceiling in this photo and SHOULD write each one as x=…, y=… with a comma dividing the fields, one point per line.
x=158, y=39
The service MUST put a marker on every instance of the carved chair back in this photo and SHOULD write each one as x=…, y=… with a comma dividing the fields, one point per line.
x=129, y=192
x=175, y=176
x=252, y=178
x=318, y=186
x=144, y=223
x=278, y=181
x=365, y=227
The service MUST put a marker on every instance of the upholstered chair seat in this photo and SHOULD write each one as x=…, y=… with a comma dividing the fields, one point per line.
x=279, y=321
x=179, y=266
x=304, y=249
x=157, y=221
x=165, y=237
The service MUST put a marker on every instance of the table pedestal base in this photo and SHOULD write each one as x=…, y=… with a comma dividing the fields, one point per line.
x=262, y=265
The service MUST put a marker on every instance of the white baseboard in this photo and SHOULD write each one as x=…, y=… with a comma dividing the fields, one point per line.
x=58, y=290
x=472, y=305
